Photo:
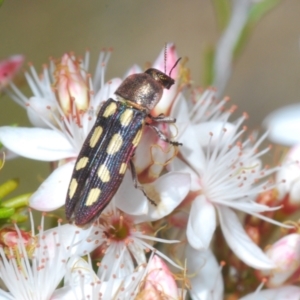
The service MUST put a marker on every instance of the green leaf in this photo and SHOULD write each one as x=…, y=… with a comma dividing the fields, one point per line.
x=208, y=71
x=223, y=11
x=6, y=212
x=259, y=9
x=1, y=2
x=257, y=12
x=8, y=186
x=19, y=217
x=16, y=202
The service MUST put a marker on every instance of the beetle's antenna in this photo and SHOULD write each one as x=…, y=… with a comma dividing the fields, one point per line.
x=165, y=58
x=174, y=66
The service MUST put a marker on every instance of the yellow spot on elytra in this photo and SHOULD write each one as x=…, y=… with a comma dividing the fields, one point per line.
x=126, y=117
x=96, y=136
x=110, y=110
x=114, y=144
x=137, y=138
x=93, y=196
x=73, y=187
x=81, y=163
x=103, y=173
x=123, y=168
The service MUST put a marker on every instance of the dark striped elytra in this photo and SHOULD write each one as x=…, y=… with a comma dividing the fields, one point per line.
x=103, y=159
x=110, y=145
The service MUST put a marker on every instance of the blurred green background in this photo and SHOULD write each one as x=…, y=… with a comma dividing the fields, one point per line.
x=266, y=75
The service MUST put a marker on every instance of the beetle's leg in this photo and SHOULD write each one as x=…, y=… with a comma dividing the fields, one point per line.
x=136, y=183
x=163, y=137
x=162, y=119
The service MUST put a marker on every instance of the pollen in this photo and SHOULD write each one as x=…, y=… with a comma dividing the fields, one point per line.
x=120, y=229
x=110, y=110
x=114, y=144
x=96, y=136
x=103, y=173
x=93, y=196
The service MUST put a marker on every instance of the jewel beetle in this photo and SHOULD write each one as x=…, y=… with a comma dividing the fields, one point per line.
x=111, y=143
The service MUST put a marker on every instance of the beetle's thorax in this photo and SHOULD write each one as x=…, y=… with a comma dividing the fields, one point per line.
x=144, y=89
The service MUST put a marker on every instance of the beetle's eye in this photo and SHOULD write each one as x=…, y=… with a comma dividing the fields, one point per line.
x=162, y=77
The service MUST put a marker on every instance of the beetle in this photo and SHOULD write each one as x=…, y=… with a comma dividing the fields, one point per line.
x=111, y=143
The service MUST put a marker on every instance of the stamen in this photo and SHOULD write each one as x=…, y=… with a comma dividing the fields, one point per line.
x=35, y=80
x=86, y=61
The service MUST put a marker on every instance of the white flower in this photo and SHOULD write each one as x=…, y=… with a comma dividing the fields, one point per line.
x=81, y=282
x=120, y=238
x=124, y=237
x=283, y=125
x=33, y=269
x=227, y=174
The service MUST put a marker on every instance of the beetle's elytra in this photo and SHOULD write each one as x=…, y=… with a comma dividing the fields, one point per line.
x=110, y=145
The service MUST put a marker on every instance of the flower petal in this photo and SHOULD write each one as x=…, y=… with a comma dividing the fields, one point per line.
x=161, y=63
x=191, y=149
x=180, y=110
x=80, y=278
x=177, y=165
x=288, y=175
x=160, y=281
x=171, y=188
x=38, y=109
x=142, y=158
x=106, y=92
x=77, y=241
x=205, y=129
x=7, y=154
x=36, y=143
x=240, y=243
x=289, y=292
x=207, y=278
x=6, y=296
x=129, y=199
x=165, y=102
x=133, y=70
x=52, y=192
x=284, y=125
x=201, y=223
x=285, y=253
x=167, y=191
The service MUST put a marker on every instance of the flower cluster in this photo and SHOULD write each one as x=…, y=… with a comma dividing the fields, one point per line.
x=214, y=197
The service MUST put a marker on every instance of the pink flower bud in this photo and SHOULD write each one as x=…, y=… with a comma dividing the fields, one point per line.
x=161, y=64
x=285, y=253
x=9, y=67
x=159, y=283
x=9, y=237
x=71, y=84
